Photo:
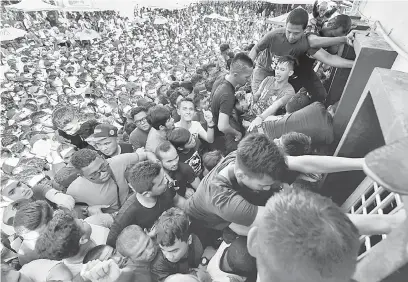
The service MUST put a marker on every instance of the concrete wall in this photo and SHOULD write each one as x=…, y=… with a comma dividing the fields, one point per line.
x=393, y=17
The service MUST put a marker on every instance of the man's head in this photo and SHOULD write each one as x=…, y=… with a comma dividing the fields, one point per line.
x=296, y=24
x=185, y=108
x=63, y=237
x=337, y=26
x=239, y=259
x=304, y=237
x=259, y=162
x=241, y=69
x=159, y=117
x=285, y=68
x=224, y=48
x=138, y=116
x=173, y=234
x=135, y=244
x=104, y=253
x=168, y=156
x=66, y=119
x=182, y=139
x=13, y=190
x=91, y=166
x=105, y=139
x=297, y=102
x=294, y=143
x=146, y=178
x=32, y=217
x=210, y=160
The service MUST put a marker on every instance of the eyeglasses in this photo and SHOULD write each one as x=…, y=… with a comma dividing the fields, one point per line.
x=140, y=121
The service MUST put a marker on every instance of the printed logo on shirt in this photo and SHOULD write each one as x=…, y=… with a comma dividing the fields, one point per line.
x=274, y=61
x=195, y=163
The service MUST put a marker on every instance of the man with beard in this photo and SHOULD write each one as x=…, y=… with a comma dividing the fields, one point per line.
x=182, y=174
x=152, y=196
x=138, y=137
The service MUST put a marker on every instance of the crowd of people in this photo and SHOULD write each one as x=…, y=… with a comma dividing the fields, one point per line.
x=173, y=147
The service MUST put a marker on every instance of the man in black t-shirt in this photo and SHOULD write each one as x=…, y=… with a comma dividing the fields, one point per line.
x=152, y=196
x=185, y=181
x=105, y=140
x=223, y=102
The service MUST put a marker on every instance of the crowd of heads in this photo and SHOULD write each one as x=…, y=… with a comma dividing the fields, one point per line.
x=71, y=105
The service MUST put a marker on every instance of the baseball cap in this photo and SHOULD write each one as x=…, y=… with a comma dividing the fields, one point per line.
x=102, y=131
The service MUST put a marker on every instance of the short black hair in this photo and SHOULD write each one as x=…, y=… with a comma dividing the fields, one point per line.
x=157, y=116
x=243, y=58
x=257, y=155
x=297, y=102
x=137, y=110
x=179, y=137
x=298, y=16
x=185, y=100
x=342, y=21
x=296, y=144
x=292, y=61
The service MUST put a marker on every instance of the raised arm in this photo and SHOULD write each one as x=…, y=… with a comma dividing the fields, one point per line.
x=332, y=60
x=323, y=164
x=323, y=42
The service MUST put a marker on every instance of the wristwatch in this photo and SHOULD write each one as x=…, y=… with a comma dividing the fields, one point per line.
x=204, y=261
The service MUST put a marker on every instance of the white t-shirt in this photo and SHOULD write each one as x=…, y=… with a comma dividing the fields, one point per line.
x=39, y=270
x=196, y=129
x=213, y=267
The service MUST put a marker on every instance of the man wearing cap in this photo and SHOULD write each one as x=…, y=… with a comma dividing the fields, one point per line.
x=105, y=140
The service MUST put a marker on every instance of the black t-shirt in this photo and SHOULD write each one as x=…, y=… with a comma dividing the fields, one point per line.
x=223, y=101
x=193, y=159
x=74, y=139
x=132, y=212
x=183, y=178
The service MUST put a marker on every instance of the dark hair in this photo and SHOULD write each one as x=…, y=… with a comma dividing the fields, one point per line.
x=60, y=239
x=137, y=110
x=224, y=47
x=163, y=147
x=197, y=99
x=257, y=155
x=298, y=16
x=83, y=158
x=187, y=85
x=290, y=60
x=196, y=78
x=239, y=259
x=173, y=224
x=242, y=58
x=179, y=137
x=157, y=116
x=185, y=100
x=296, y=144
x=297, y=102
x=342, y=21
x=31, y=216
x=87, y=128
x=141, y=175
x=211, y=159
x=94, y=253
x=129, y=127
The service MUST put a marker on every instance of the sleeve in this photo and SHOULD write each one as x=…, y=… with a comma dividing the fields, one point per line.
x=124, y=160
x=39, y=191
x=188, y=173
x=265, y=41
x=121, y=221
x=234, y=208
x=160, y=269
x=226, y=104
x=312, y=51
